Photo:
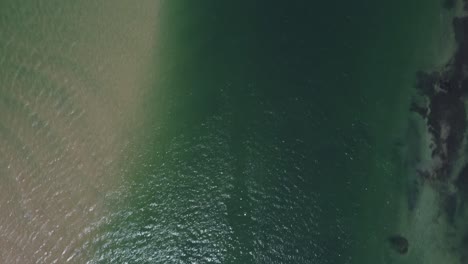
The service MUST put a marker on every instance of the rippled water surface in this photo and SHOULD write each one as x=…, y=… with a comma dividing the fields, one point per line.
x=72, y=81
x=206, y=131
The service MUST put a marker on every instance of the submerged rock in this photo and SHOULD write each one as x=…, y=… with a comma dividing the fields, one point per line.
x=399, y=243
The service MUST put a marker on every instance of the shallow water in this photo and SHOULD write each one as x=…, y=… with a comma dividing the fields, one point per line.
x=213, y=132
x=72, y=81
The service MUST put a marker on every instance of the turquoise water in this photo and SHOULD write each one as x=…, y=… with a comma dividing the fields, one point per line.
x=272, y=132
x=280, y=133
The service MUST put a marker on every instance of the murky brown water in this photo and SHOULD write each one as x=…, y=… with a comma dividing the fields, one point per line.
x=72, y=80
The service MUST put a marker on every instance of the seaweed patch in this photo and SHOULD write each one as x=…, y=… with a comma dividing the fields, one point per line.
x=441, y=102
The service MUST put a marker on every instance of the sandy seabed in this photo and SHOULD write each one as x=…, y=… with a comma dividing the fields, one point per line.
x=434, y=212
x=73, y=76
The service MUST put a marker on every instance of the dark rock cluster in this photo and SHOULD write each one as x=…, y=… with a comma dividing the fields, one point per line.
x=399, y=243
x=441, y=103
x=444, y=110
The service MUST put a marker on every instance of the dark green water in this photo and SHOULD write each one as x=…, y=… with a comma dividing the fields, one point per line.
x=276, y=133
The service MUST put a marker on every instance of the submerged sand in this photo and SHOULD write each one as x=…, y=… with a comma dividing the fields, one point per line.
x=434, y=211
x=73, y=78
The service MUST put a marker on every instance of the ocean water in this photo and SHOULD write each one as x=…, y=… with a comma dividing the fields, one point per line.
x=280, y=138
x=212, y=131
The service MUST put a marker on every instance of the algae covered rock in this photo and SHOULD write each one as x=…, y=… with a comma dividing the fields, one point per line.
x=399, y=243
